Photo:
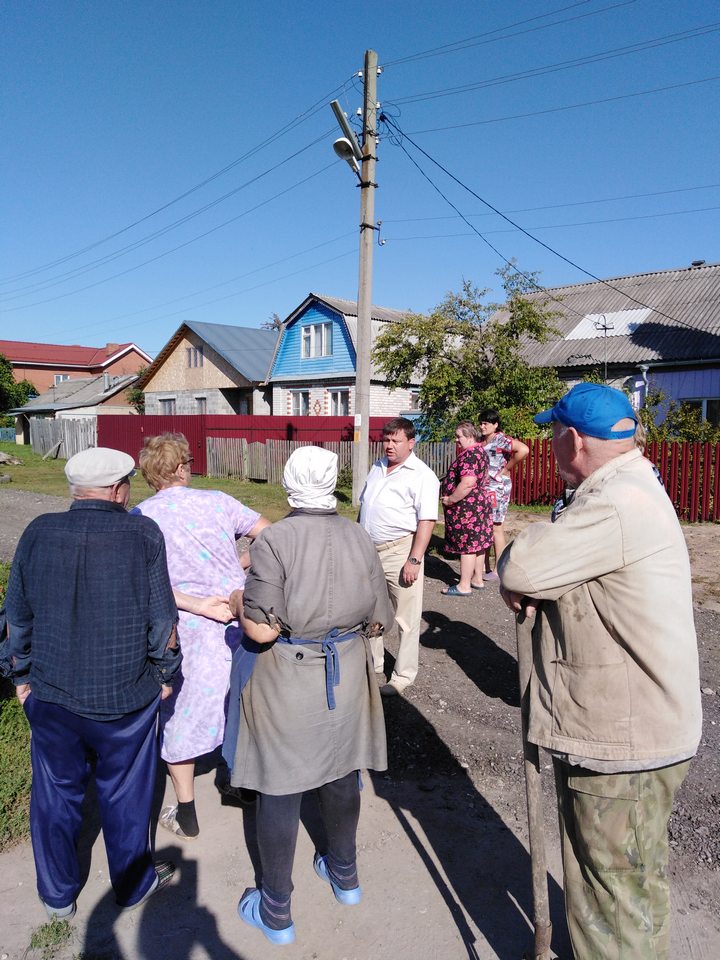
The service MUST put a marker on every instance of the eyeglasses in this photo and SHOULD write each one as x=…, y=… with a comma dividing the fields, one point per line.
x=186, y=463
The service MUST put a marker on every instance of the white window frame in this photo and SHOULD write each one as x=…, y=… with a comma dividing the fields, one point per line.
x=336, y=394
x=61, y=378
x=296, y=400
x=316, y=340
x=702, y=402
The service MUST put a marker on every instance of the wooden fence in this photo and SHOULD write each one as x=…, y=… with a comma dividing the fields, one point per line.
x=690, y=472
x=236, y=457
x=72, y=436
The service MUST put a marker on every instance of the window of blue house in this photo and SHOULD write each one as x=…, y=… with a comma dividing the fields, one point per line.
x=339, y=402
x=300, y=403
x=316, y=341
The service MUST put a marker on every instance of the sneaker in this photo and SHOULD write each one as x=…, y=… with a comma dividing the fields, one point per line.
x=390, y=690
x=249, y=911
x=60, y=913
x=168, y=820
x=491, y=576
x=348, y=897
x=164, y=870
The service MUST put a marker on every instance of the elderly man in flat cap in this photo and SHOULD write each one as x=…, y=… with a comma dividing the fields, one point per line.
x=614, y=691
x=92, y=645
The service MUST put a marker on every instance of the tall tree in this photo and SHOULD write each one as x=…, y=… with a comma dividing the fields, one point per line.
x=467, y=361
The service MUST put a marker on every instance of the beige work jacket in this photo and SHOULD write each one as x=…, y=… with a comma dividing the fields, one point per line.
x=615, y=666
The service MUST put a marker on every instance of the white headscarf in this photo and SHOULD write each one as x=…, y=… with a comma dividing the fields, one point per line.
x=310, y=478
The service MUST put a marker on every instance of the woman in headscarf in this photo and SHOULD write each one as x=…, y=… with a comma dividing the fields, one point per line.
x=311, y=716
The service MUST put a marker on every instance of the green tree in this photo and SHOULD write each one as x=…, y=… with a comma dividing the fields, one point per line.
x=467, y=361
x=135, y=396
x=676, y=421
x=12, y=394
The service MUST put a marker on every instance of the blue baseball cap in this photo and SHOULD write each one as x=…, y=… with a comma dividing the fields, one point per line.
x=593, y=409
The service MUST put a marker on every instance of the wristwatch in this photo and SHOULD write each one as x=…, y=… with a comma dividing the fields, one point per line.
x=414, y=561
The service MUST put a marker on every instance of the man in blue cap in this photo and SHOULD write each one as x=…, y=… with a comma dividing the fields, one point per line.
x=614, y=692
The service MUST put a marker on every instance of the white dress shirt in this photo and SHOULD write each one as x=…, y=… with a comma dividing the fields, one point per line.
x=392, y=504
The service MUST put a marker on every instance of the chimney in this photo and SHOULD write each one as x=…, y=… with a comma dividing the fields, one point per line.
x=111, y=348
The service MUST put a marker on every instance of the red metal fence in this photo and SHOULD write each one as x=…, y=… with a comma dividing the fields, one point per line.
x=689, y=471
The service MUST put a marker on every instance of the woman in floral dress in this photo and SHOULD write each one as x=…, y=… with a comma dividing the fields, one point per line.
x=503, y=454
x=468, y=510
x=200, y=529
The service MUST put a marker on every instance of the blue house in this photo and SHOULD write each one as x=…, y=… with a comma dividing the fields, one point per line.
x=313, y=369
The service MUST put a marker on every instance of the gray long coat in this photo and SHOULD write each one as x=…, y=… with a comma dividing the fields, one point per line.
x=316, y=571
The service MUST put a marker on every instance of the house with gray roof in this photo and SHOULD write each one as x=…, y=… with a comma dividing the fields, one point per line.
x=211, y=368
x=313, y=367
x=649, y=331
x=82, y=398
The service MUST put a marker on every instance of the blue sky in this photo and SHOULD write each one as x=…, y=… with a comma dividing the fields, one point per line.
x=114, y=116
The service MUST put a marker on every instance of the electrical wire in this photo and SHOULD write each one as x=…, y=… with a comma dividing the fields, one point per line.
x=143, y=241
x=558, y=206
x=563, y=226
x=533, y=72
x=180, y=246
x=570, y=106
x=478, y=38
x=286, y=128
x=572, y=263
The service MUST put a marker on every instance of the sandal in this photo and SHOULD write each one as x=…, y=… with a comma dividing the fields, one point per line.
x=454, y=592
x=168, y=819
x=477, y=586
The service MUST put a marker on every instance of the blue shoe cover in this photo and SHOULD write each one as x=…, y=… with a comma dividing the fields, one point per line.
x=348, y=897
x=249, y=911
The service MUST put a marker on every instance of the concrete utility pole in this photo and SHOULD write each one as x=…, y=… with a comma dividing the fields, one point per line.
x=361, y=436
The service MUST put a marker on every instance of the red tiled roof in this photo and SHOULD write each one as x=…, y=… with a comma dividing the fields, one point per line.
x=18, y=351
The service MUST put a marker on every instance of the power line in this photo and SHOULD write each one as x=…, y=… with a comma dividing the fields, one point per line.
x=533, y=72
x=180, y=246
x=563, y=226
x=517, y=226
x=570, y=106
x=143, y=241
x=318, y=105
x=558, y=206
x=479, y=38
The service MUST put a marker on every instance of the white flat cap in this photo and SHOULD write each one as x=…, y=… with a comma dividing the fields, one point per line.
x=99, y=467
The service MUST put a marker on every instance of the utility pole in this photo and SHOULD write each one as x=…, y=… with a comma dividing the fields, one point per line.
x=361, y=434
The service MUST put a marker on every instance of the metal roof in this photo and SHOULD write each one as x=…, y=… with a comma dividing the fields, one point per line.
x=683, y=323
x=247, y=349
x=80, y=392
x=57, y=354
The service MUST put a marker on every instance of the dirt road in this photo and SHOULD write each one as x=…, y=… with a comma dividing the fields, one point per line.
x=443, y=852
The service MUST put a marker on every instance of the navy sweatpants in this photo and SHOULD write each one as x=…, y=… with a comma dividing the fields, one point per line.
x=127, y=754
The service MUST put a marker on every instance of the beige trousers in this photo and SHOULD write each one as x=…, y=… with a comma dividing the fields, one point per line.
x=407, y=603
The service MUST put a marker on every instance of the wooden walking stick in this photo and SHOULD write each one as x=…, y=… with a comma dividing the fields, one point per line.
x=533, y=790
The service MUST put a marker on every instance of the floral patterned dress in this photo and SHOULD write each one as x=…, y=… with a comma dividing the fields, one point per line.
x=498, y=450
x=200, y=529
x=468, y=523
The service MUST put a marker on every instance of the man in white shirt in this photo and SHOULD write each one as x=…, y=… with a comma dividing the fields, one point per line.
x=398, y=509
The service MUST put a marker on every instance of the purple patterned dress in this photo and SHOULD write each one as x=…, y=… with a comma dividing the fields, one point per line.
x=468, y=523
x=200, y=528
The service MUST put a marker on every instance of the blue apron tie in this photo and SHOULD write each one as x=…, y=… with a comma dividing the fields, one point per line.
x=332, y=659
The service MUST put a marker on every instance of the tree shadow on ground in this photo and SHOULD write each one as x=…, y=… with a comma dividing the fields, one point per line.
x=487, y=868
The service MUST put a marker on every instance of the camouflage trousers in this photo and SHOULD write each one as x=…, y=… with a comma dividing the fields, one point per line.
x=613, y=829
